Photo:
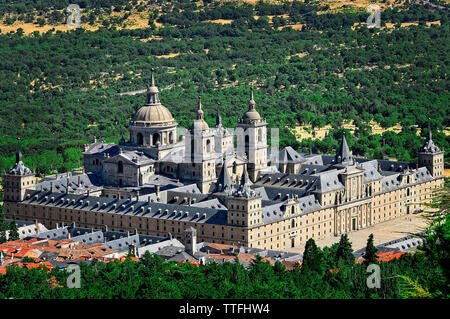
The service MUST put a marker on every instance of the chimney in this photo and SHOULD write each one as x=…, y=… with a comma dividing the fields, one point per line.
x=157, y=190
x=57, y=226
x=51, y=187
x=137, y=196
x=67, y=185
x=38, y=230
x=79, y=181
x=88, y=192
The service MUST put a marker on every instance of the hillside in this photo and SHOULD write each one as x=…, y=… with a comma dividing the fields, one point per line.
x=60, y=89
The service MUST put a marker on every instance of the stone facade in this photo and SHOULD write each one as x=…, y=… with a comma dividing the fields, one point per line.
x=232, y=197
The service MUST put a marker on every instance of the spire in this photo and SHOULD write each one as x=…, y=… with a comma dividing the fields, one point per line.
x=224, y=181
x=251, y=115
x=251, y=103
x=152, y=92
x=199, y=109
x=245, y=180
x=19, y=153
x=429, y=146
x=429, y=130
x=218, y=117
x=343, y=155
x=19, y=167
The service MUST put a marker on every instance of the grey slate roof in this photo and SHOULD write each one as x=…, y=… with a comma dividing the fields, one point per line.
x=103, y=149
x=135, y=158
x=19, y=167
x=370, y=171
x=90, y=238
x=289, y=155
x=327, y=181
x=286, y=180
x=76, y=182
x=343, y=155
x=224, y=183
x=429, y=146
x=127, y=207
x=212, y=203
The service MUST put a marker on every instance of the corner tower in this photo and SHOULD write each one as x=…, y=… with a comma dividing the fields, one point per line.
x=244, y=205
x=252, y=139
x=17, y=180
x=431, y=156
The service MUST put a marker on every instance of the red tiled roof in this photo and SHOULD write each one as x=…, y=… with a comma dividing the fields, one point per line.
x=391, y=256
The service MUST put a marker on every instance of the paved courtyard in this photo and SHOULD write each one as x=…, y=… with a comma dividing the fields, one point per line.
x=382, y=232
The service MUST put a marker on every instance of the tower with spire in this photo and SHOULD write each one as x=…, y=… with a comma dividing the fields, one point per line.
x=252, y=139
x=18, y=180
x=245, y=204
x=431, y=156
x=199, y=152
x=224, y=139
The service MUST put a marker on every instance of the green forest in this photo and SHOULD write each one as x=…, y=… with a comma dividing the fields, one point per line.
x=59, y=90
x=329, y=273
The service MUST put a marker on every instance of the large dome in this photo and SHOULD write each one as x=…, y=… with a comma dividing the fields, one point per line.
x=153, y=112
x=153, y=115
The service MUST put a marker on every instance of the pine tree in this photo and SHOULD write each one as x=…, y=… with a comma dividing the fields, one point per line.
x=13, y=231
x=312, y=257
x=345, y=252
x=370, y=256
x=3, y=226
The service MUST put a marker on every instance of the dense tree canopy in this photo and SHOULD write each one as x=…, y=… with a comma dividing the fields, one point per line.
x=60, y=89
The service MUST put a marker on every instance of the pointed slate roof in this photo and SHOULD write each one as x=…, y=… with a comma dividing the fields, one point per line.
x=224, y=181
x=429, y=146
x=19, y=167
x=245, y=180
x=343, y=155
x=289, y=155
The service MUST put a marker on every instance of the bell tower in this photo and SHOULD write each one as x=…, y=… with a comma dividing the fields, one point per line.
x=200, y=164
x=252, y=139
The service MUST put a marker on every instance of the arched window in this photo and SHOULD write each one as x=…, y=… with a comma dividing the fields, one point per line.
x=247, y=140
x=208, y=146
x=140, y=139
x=260, y=135
x=171, y=141
x=156, y=139
x=234, y=168
x=120, y=167
x=292, y=223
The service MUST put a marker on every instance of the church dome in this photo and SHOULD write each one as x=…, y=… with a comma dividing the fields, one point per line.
x=153, y=112
x=153, y=115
